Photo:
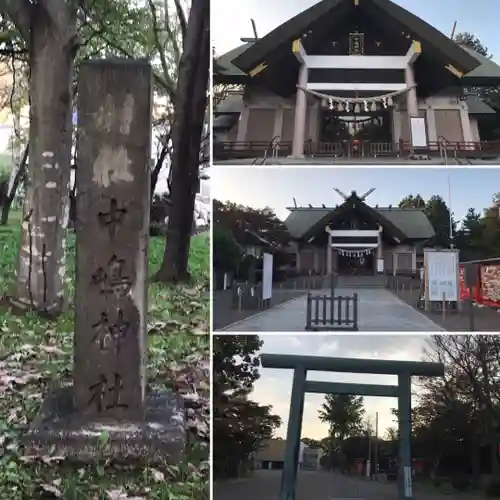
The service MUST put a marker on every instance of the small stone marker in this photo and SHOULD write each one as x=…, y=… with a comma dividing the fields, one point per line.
x=112, y=230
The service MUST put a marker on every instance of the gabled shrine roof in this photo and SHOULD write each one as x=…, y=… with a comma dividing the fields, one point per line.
x=224, y=63
x=412, y=222
x=477, y=106
x=297, y=26
x=486, y=69
x=477, y=69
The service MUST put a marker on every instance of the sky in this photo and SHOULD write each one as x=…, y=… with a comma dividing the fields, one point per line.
x=274, y=386
x=479, y=17
x=276, y=187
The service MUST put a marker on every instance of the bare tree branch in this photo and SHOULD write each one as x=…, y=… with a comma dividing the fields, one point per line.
x=182, y=19
x=177, y=50
x=19, y=12
x=161, y=49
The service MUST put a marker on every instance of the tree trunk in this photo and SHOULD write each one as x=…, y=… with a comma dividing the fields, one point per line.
x=41, y=267
x=191, y=101
x=10, y=196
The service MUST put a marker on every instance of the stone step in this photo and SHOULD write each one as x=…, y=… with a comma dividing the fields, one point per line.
x=361, y=282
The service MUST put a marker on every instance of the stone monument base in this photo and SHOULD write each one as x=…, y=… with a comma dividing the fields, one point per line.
x=58, y=431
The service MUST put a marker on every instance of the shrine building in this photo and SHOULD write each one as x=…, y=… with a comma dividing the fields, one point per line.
x=352, y=78
x=355, y=238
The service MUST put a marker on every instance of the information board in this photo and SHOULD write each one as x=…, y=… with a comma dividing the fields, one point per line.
x=442, y=276
x=267, y=276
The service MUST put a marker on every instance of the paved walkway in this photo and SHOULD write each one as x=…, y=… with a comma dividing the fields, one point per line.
x=379, y=311
x=312, y=485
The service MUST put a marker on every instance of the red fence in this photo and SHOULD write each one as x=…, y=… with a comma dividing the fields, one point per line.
x=487, y=292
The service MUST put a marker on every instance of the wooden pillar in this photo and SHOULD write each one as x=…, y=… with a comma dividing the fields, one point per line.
x=411, y=95
x=329, y=255
x=243, y=124
x=380, y=253
x=411, y=98
x=299, y=129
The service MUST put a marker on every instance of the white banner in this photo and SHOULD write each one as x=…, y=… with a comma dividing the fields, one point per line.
x=442, y=276
x=267, y=276
x=418, y=132
x=380, y=265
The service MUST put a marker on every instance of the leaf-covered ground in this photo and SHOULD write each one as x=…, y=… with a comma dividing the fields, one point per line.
x=36, y=356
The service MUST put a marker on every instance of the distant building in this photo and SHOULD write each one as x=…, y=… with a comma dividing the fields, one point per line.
x=356, y=238
x=271, y=456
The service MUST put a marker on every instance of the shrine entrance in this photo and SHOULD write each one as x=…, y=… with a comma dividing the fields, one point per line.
x=356, y=263
x=355, y=132
x=402, y=391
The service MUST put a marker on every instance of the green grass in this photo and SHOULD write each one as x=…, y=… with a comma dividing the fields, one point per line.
x=36, y=357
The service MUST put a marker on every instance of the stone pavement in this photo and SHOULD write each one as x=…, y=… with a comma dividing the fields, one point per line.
x=379, y=311
x=318, y=485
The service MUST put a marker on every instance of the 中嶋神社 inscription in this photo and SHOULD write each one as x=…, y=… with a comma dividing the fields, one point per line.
x=113, y=218
x=106, y=393
x=109, y=335
x=112, y=279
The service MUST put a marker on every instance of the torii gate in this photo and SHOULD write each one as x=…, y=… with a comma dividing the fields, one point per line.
x=300, y=364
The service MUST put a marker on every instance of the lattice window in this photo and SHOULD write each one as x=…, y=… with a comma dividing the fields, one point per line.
x=356, y=44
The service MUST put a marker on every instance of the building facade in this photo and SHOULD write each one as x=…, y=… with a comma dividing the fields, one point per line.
x=354, y=78
x=355, y=238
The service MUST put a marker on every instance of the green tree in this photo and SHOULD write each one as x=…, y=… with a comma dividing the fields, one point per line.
x=227, y=253
x=439, y=216
x=472, y=42
x=411, y=201
x=263, y=222
x=240, y=425
x=344, y=416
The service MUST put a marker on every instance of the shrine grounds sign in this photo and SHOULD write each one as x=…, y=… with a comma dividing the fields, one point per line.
x=441, y=276
x=109, y=392
x=267, y=277
x=402, y=391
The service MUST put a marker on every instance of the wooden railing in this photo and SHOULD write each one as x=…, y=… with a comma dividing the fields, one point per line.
x=228, y=150
x=331, y=313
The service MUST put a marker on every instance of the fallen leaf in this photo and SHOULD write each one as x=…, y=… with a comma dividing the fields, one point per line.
x=157, y=475
x=54, y=490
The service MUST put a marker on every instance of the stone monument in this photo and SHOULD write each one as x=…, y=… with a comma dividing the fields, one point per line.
x=109, y=392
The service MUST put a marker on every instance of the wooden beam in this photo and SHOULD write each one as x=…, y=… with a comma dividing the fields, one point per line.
x=454, y=70
x=258, y=69
x=414, y=51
